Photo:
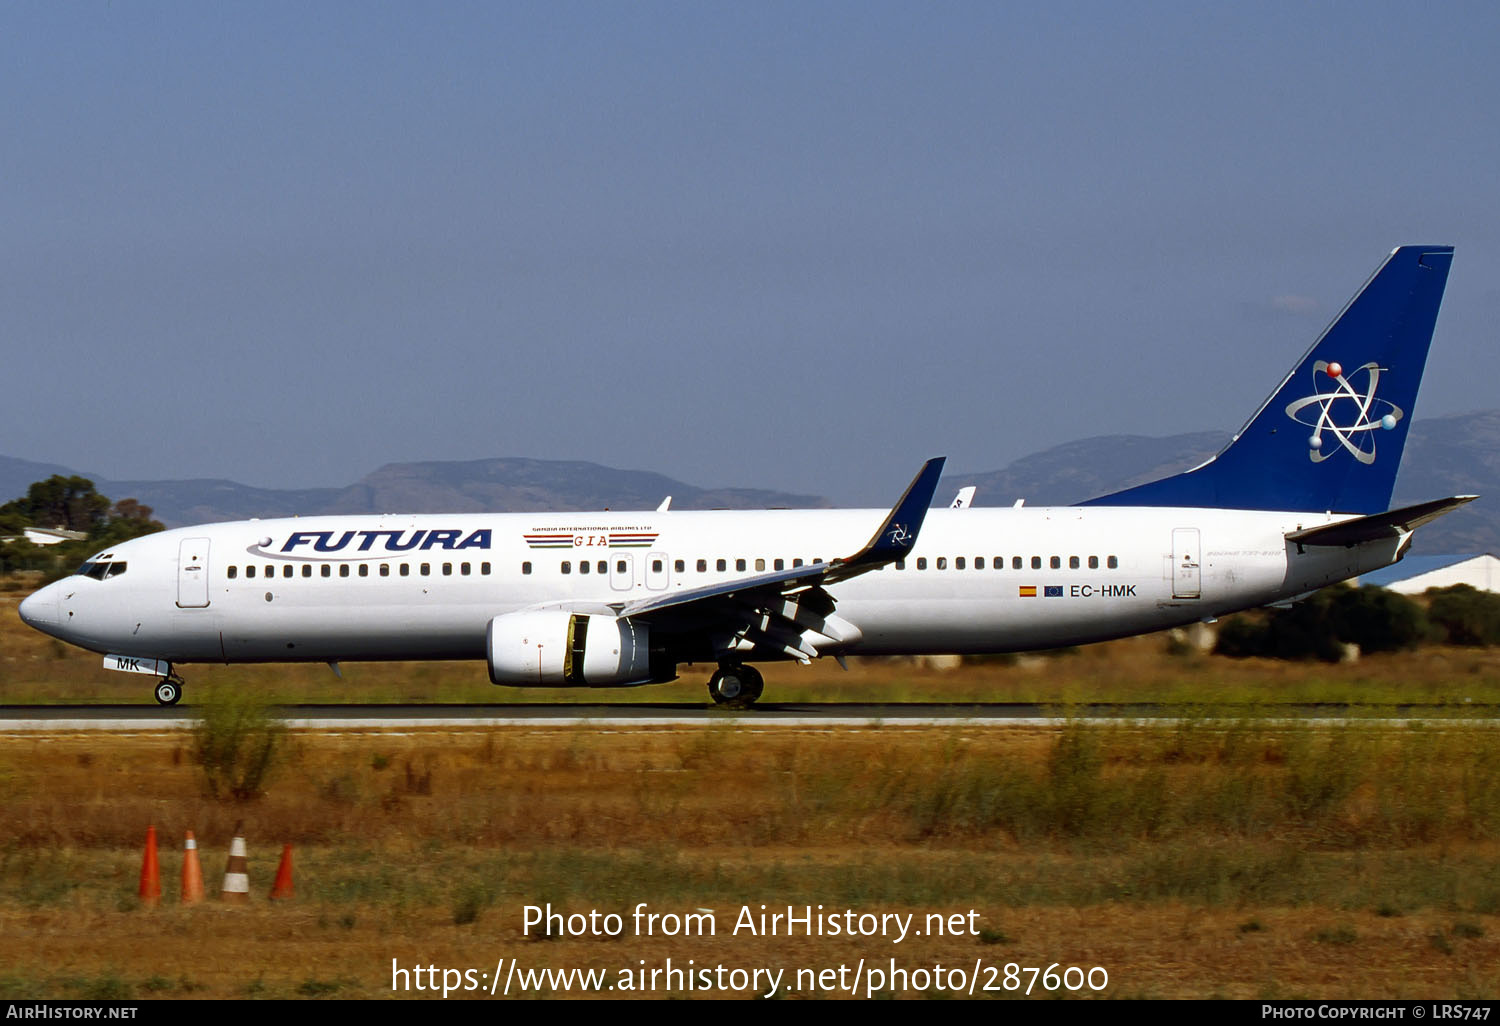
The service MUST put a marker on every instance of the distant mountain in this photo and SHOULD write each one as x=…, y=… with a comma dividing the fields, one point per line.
x=471, y=486
x=1444, y=456
x=1074, y=471
x=17, y=475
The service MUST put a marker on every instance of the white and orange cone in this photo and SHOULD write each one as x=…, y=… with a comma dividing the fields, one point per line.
x=237, y=874
x=192, y=872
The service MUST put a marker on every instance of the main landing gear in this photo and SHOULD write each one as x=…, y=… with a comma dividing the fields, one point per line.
x=734, y=686
x=169, y=689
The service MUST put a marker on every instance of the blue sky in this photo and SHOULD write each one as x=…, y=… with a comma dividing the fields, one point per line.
x=800, y=246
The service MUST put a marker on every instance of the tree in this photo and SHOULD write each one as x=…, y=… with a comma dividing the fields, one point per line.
x=1466, y=615
x=1317, y=628
x=68, y=503
x=73, y=504
x=127, y=519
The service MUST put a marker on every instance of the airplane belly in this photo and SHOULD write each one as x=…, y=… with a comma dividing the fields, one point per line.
x=1065, y=615
x=298, y=633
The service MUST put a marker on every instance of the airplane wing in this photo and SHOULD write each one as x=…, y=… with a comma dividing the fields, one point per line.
x=1379, y=525
x=774, y=610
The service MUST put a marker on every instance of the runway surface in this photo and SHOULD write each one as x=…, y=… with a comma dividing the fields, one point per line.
x=152, y=718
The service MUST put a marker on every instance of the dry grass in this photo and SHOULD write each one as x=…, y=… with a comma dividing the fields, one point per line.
x=1191, y=861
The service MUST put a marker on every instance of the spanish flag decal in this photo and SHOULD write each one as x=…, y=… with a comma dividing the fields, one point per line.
x=1028, y=591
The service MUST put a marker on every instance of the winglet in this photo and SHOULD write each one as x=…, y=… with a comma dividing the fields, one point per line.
x=898, y=533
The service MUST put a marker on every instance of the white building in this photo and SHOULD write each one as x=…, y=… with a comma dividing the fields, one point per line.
x=1415, y=574
x=47, y=536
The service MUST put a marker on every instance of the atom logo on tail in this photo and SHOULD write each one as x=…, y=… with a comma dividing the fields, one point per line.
x=1371, y=414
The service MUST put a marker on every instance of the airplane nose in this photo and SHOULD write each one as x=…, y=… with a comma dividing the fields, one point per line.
x=40, y=607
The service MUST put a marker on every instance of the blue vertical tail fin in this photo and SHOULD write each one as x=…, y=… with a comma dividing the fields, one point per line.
x=1330, y=437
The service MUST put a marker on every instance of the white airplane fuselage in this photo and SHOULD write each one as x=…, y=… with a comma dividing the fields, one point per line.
x=1085, y=574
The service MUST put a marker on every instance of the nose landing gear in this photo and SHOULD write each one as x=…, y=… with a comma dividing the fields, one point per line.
x=169, y=689
x=735, y=687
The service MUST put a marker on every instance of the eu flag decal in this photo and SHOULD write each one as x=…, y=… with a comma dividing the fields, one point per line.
x=1052, y=591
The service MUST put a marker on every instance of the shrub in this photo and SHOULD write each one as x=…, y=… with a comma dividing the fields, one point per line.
x=236, y=742
x=1465, y=615
x=1318, y=627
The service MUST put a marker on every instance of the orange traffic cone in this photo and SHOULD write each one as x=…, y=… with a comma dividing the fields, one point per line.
x=192, y=872
x=236, y=874
x=282, y=888
x=150, y=871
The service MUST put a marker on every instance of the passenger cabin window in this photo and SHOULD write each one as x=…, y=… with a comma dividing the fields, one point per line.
x=327, y=571
x=364, y=569
x=978, y=562
x=1056, y=562
x=921, y=562
x=343, y=569
x=1015, y=562
x=739, y=564
x=1072, y=562
x=385, y=569
x=249, y=571
x=760, y=564
x=942, y=562
x=425, y=569
x=567, y=566
x=1093, y=562
x=584, y=566
x=1114, y=564
x=780, y=564
x=702, y=566
x=721, y=566
x=306, y=569
x=1036, y=562
x=621, y=566
x=406, y=569
x=525, y=569
x=656, y=566
x=447, y=569
x=233, y=572
x=679, y=566
x=463, y=569
x=603, y=566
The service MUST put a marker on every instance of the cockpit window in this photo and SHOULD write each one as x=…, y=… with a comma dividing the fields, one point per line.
x=99, y=570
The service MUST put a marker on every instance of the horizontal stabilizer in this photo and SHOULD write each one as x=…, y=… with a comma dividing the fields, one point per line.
x=1379, y=525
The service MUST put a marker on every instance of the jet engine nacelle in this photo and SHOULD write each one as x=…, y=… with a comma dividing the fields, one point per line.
x=557, y=648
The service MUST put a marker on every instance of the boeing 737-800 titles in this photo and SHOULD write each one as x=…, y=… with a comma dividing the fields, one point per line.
x=1297, y=500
